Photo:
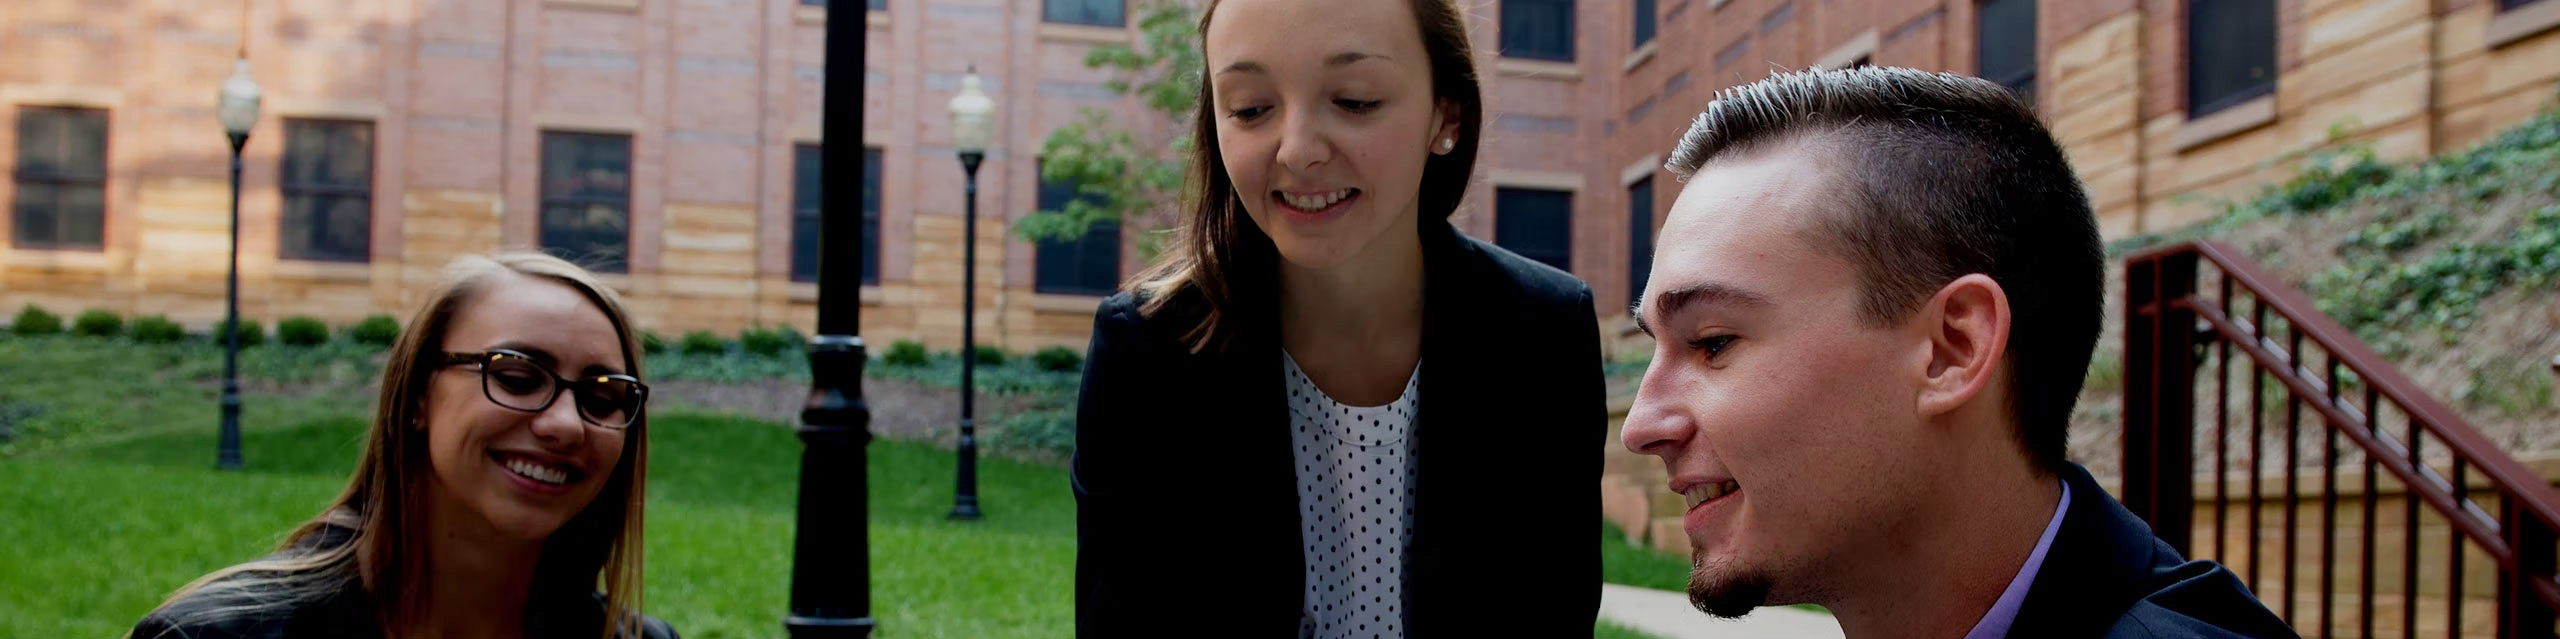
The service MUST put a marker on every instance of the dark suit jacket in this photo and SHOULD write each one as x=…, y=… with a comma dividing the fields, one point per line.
x=2107, y=576
x=1187, y=506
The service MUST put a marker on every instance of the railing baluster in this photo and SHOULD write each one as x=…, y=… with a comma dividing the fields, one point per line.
x=2257, y=437
x=2522, y=612
x=2409, y=537
x=2453, y=566
x=2292, y=462
x=2364, y=598
x=2222, y=436
x=2329, y=510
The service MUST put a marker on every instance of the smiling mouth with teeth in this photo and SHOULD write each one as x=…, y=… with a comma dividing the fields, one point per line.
x=1704, y=493
x=1315, y=201
x=538, y=472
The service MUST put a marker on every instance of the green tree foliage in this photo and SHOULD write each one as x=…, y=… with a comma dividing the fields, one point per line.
x=1118, y=176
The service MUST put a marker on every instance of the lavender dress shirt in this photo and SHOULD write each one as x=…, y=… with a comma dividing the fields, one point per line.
x=1995, y=624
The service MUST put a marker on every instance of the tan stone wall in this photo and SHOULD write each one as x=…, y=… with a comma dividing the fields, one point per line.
x=2409, y=77
x=2393, y=74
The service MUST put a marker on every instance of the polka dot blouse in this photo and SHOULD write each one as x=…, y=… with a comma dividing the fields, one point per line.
x=1354, y=486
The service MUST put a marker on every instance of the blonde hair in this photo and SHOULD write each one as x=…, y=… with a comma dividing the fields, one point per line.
x=383, y=501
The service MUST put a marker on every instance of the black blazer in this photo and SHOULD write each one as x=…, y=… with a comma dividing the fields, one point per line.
x=348, y=613
x=1187, y=505
x=2107, y=576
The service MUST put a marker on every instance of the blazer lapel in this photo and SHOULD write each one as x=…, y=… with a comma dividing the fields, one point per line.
x=2096, y=557
x=1438, y=464
x=1243, y=400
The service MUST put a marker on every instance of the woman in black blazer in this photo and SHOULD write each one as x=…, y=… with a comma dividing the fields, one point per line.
x=1327, y=413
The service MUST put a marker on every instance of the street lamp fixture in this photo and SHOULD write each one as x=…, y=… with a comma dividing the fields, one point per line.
x=237, y=107
x=971, y=115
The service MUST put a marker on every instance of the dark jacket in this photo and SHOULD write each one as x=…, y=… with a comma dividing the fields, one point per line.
x=1187, y=505
x=2107, y=576
x=349, y=613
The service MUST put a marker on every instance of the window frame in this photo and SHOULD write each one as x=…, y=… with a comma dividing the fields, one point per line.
x=1516, y=49
x=291, y=190
x=1049, y=198
x=2021, y=82
x=547, y=199
x=806, y=221
x=1504, y=220
x=1049, y=13
x=2199, y=106
x=1646, y=25
x=1640, y=234
x=20, y=176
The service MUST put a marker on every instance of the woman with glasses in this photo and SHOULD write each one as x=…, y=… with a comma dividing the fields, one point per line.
x=500, y=485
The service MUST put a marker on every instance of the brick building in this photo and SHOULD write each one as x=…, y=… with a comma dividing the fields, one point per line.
x=2153, y=100
x=673, y=140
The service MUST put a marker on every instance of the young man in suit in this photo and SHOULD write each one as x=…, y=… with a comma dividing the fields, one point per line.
x=1874, y=303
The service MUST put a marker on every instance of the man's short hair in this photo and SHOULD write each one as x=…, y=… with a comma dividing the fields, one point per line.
x=1947, y=175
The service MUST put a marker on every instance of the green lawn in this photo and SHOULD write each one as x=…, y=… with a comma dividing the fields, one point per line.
x=1624, y=563
x=97, y=536
x=110, y=501
x=1608, y=630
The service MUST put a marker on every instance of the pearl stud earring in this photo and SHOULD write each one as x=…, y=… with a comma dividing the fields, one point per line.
x=1448, y=144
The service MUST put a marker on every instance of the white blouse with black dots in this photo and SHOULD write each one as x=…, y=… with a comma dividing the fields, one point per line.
x=1354, y=486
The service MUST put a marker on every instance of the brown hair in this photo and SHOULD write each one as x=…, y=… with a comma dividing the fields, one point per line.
x=1216, y=248
x=383, y=502
x=1950, y=175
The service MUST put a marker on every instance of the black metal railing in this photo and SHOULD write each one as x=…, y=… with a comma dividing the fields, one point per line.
x=2184, y=319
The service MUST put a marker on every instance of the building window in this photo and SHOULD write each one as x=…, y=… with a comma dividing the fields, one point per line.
x=2007, y=51
x=1100, y=13
x=873, y=5
x=61, y=179
x=807, y=190
x=328, y=191
x=1644, y=17
x=2231, y=53
x=1639, y=237
x=2512, y=4
x=1538, y=29
x=1536, y=224
x=586, y=199
x=1088, y=265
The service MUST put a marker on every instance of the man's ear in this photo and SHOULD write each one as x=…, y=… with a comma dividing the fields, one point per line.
x=1967, y=324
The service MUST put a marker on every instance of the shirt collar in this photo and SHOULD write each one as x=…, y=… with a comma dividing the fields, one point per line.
x=2004, y=611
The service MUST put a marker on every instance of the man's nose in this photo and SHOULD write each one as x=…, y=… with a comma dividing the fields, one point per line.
x=1654, y=424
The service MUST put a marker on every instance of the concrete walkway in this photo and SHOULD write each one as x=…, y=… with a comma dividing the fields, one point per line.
x=1668, y=615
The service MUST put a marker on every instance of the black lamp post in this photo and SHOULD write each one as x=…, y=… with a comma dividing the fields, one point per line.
x=831, y=554
x=237, y=107
x=970, y=115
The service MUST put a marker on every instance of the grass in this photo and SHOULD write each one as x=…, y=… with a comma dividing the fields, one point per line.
x=112, y=502
x=1606, y=630
x=1629, y=564
x=151, y=515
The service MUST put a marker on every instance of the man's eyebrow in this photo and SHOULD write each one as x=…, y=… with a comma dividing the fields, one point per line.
x=1708, y=293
